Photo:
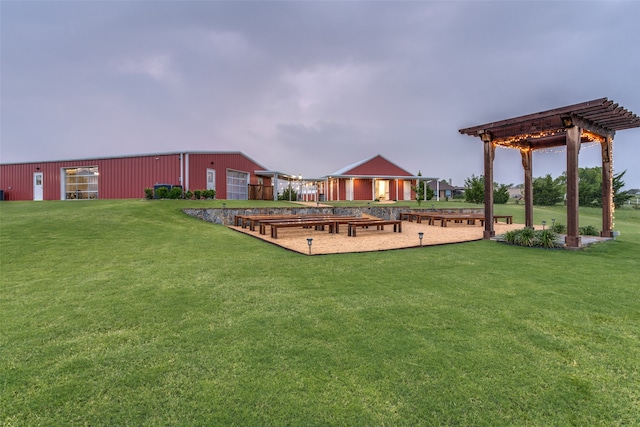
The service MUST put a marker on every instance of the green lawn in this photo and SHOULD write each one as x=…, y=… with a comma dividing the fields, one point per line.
x=132, y=313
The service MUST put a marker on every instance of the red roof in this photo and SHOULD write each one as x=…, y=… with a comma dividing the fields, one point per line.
x=374, y=166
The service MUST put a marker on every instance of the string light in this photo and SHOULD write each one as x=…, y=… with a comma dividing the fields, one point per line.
x=592, y=137
x=613, y=205
x=523, y=141
x=559, y=149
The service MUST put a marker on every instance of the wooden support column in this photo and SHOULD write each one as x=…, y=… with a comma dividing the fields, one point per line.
x=373, y=189
x=527, y=155
x=489, y=152
x=607, y=188
x=573, y=149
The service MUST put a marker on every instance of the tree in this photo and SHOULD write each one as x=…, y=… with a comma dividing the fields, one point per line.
x=590, y=186
x=288, y=194
x=500, y=193
x=547, y=191
x=419, y=190
x=474, y=189
x=619, y=196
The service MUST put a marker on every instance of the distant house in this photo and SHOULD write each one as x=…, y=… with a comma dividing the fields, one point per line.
x=229, y=173
x=516, y=191
x=444, y=190
x=374, y=178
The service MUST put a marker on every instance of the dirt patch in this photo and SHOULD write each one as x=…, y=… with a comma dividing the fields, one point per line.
x=369, y=240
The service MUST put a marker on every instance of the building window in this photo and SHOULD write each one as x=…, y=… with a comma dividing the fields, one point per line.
x=81, y=183
x=237, y=185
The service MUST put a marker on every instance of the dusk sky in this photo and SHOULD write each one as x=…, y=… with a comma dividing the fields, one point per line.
x=310, y=87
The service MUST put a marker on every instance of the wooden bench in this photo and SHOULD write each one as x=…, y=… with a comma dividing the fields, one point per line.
x=304, y=223
x=507, y=218
x=459, y=218
x=251, y=220
x=318, y=222
x=379, y=223
x=429, y=216
x=254, y=220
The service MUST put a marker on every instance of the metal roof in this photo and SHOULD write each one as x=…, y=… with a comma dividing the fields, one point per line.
x=598, y=118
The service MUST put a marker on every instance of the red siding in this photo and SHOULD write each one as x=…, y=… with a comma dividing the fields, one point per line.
x=127, y=177
x=362, y=189
x=200, y=162
x=378, y=166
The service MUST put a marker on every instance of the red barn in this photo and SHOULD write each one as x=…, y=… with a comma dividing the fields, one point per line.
x=375, y=178
x=229, y=173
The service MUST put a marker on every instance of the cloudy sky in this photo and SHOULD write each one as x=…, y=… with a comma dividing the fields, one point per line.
x=310, y=87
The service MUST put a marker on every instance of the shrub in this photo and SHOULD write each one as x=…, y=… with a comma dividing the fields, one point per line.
x=559, y=228
x=546, y=239
x=162, y=193
x=510, y=236
x=530, y=238
x=208, y=194
x=148, y=193
x=197, y=194
x=588, y=230
x=188, y=195
x=175, y=193
x=525, y=237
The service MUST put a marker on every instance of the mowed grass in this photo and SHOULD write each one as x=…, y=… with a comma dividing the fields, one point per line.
x=132, y=313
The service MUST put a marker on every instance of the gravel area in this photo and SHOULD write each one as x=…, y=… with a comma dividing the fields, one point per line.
x=368, y=240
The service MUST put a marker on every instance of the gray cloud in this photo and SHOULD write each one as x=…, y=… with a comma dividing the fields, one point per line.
x=308, y=87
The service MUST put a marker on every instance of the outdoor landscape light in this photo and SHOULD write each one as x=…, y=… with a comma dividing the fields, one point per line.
x=420, y=235
x=543, y=224
x=309, y=242
x=553, y=222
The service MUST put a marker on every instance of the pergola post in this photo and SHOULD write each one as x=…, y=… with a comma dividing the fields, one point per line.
x=489, y=152
x=607, y=188
x=527, y=155
x=573, y=148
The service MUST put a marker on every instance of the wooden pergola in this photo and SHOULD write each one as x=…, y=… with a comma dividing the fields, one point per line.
x=592, y=121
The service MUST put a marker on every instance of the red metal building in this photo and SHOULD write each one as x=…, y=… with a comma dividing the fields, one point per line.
x=375, y=178
x=229, y=173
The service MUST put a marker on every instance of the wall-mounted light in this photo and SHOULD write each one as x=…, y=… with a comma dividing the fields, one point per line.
x=211, y=163
x=38, y=168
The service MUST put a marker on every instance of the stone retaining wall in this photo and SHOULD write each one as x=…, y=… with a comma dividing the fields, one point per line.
x=226, y=216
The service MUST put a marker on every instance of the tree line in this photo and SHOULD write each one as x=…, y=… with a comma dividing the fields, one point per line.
x=548, y=191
